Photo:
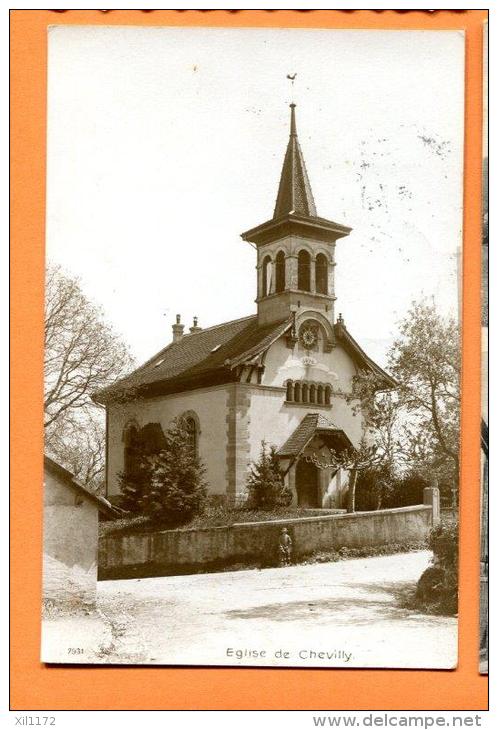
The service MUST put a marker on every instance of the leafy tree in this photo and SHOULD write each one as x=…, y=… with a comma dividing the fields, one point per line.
x=173, y=485
x=82, y=355
x=265, y=482
x=412, y=429
x=425, y=361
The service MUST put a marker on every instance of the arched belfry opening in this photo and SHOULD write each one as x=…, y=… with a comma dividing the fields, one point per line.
x=304, y=271
x=267, y=276
x=296, y=247
x=321, y=274
x=280, y=272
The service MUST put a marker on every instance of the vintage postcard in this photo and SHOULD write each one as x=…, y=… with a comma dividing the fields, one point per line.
x=252, y=347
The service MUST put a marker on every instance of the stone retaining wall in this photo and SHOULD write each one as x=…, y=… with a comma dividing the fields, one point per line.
x=172, y=552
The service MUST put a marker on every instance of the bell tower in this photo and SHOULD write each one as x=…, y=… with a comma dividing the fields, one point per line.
x=296, y=248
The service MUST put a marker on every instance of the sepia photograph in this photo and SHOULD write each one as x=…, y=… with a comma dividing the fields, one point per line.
x=252, y=347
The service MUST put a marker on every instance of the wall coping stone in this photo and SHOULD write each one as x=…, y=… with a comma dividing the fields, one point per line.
x=284, y=521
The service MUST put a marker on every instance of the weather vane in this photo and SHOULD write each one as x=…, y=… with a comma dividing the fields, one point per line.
x=292, y=78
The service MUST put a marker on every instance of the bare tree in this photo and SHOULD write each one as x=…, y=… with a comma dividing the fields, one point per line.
x=78, y=442
x=354, y=460
x=82, y=355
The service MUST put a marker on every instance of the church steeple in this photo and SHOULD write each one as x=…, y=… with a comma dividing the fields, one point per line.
x=296, y=248
x=294, y=192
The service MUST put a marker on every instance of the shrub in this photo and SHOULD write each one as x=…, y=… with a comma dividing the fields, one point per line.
x=373, y=488
x=265, y=483
x=133, y=487
x=377, y=488
x=409, y=489
x=176, y=491
x=437, y=589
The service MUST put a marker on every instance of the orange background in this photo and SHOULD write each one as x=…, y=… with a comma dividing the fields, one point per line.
x=35, y=686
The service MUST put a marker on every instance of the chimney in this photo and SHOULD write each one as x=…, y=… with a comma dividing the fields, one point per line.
x=195, y=328
x=178, y=329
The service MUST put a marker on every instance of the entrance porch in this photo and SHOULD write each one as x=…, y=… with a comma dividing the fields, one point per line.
x=304, y=458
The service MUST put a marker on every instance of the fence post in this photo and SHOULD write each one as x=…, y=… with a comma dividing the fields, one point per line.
x=431, y=498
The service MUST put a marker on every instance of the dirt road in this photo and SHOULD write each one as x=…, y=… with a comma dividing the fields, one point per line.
x=344, y=614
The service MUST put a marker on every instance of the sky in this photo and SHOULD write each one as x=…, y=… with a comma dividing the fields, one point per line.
x=165, y=144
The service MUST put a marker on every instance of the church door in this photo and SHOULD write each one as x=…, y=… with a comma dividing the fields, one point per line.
x=307, y=484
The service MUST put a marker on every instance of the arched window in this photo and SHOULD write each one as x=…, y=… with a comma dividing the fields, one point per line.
x=290, y=391
x=280, y=272
x=152, y=439
x=312, y=393
x=267, y=265
x=319, y=395
x=321, y=274
x=305, y=393
x=303, y=271
x=328, y=393
x=297, y=392
x=193, y=435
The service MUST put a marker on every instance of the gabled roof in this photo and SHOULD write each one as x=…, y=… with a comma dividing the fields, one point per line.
x=312, y=423
x=206, y=357
x=70, y=480
x=360, y=357
x=294, y=192
x=211, y=357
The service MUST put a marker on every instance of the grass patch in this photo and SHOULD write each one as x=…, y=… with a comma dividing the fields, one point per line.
x=213, y=516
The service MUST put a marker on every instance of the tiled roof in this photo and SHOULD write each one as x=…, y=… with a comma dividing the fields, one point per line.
x=311, y=423
x=211, y=355
x=294, y=192
x=214, y=350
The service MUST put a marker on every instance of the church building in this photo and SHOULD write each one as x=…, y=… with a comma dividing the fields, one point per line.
x=279, y=375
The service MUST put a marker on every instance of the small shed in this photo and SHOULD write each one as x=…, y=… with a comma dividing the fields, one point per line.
x=70, y=539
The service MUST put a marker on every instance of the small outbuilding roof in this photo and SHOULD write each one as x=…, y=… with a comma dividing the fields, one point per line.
x=68, y=478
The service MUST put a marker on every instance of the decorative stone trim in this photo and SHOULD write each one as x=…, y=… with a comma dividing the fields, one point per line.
x=238, y=447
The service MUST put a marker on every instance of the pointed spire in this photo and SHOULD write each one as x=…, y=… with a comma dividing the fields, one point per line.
x=294, y=192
